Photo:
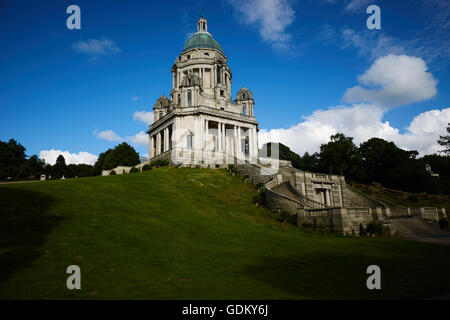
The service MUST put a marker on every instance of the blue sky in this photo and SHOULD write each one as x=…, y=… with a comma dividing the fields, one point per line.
x=313, y=66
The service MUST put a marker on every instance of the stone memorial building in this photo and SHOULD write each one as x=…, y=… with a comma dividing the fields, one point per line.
x=199, y=123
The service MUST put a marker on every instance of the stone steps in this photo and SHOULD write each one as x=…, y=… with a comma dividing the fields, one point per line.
x=415, y=227
x=252, y=174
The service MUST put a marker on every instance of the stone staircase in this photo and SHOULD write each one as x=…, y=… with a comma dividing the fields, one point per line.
x=282, y=195
x=252, y=173
x=355, y=198
x=286, y=189
x=395, y=209
x=410, y=227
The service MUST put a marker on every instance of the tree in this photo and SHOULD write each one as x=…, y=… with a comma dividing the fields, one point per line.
x=12, y=156
x=122, y=155
x=441, y=165
x=80, y=170
x=307, y=162
x=341, y=156
x=387, y=164
x=311, y=162
x=445, y=142
x=60, y=167
x=31, y=168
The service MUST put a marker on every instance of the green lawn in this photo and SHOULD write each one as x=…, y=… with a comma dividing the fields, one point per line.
x=190, y=234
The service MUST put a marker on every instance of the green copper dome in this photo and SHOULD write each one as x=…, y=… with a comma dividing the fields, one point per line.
x=202, y=40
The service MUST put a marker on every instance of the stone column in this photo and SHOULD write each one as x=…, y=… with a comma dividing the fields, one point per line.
x=165, y=140
x=250, y=142
x=239, y=140
x=219, y=136
x=195, y=138
x=255, y=142
x=206, y=133
x=166, y=136
x=200, y=132
x=224, y=139
x=153, y=142
x=327, y=194
x=234, y=141
x=158, y=143
x=150, y=147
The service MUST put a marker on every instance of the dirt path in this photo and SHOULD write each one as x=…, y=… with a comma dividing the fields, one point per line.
x=13, y=182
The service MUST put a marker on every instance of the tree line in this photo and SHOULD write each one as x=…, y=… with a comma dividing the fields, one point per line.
x=16, y=165
x=375, y=160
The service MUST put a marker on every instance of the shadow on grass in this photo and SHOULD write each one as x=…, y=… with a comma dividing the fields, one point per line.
x=328, y=275
x=24, y=225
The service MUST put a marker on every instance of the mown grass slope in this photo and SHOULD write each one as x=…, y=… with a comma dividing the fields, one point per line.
x=189, y=234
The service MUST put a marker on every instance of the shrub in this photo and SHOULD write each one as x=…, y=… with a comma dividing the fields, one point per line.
x=413, y=198
x=362, y=231
x=443, y=223
x=134, y=170
x=259, y=185
x=307, y=225
x=147, y=167
x=160, y=163
x=374, y=228
x=232, y=169
x=259, y=199
x=285, y=216
x=112, y=173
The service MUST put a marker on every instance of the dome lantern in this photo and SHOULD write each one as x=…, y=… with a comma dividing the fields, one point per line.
x=202, y=25
x=202, y=38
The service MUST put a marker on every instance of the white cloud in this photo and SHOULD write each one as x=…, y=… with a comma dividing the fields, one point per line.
x=393, y=81
x=373, y=44
x=108, y=135
x=271, y=17
x=144, y=116
x=135, y=98
x=362, y=122
x=96, y=48
x=355, y=5
x=359, y=121
x=424, y=130
x=140, y=138
x=50, y=157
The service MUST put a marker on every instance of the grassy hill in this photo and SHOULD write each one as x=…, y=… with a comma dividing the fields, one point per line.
x=189, y=234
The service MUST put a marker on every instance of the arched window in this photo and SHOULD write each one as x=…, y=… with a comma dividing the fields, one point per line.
x=189, y=141
x=244, y=110
x=160, y=114
x=189, y=97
